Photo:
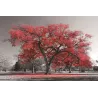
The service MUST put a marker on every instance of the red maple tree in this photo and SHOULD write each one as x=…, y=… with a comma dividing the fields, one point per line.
x=55, y=43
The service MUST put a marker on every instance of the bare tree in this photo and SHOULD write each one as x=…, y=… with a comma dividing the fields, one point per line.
x=4, y=62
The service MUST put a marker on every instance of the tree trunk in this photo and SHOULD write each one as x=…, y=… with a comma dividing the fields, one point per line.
x=32, y=68
x=82, y=69
x=64, y=69
x=69, y=69
x=47, y=69
x=24, y=69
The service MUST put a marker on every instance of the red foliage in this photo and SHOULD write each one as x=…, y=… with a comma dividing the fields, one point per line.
x=55, y=43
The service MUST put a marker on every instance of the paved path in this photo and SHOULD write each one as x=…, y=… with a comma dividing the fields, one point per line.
x=32, y=76
x=29, y=76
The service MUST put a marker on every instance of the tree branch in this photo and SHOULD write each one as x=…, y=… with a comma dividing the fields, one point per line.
x=45, y=58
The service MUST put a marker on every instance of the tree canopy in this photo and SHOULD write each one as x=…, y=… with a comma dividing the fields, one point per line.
x=56, y=43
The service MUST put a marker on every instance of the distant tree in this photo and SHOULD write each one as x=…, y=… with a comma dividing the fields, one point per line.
x=17, y=66
x=35, y=65
x=97, y=61
x=4, y=62
x=95, y=68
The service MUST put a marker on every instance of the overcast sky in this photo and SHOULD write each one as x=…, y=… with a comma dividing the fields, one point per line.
x=87, y=24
